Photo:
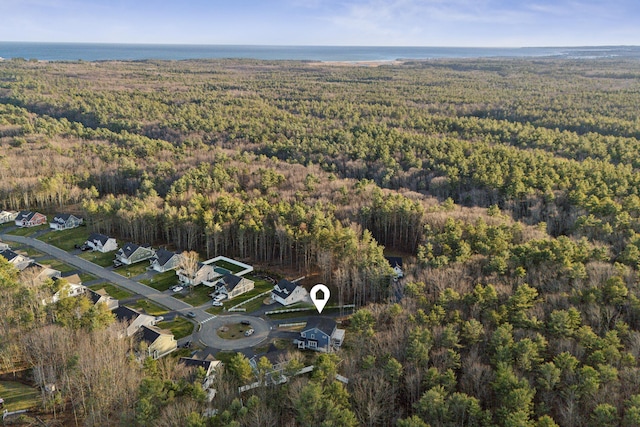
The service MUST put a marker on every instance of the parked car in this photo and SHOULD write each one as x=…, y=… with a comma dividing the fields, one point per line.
x=245, y=322
x=216, y=303
x=191, y=314
x=177, y=288
x=249, y=332
x=220, y=297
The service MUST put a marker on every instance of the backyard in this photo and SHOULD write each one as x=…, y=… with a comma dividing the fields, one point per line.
x=18, y=396
x=233, y=268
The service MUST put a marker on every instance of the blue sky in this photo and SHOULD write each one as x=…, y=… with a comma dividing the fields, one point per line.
x=325, y=22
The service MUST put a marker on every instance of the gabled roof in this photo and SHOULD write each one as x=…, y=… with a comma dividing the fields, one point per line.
x=284, y=288
x=97, y=237
x=191, y=362
x=73, y=279
x=96, y=295
x=325, y=324
x=150, y=333
x=230, y=281
x=124, y=313
x=394, y=261
x=61, y=218
x=128, y=249
x=163, y=256
x=8, y=254
x=25, y=215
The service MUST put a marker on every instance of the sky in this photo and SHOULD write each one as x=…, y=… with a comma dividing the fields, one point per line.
x=473, y=23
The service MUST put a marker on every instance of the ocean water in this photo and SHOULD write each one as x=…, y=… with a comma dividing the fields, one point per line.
x=103, y=51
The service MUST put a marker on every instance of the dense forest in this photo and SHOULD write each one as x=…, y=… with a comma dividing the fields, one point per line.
x=510, y=187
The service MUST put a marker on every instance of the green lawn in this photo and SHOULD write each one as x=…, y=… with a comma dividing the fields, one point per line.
x=133, y=270
x=229, y=266
x=112, y=290
x=18, y=396
x=148, y=307
x=180, y=327
x=86, y=277
x=25, y=249
x=57, y=265
x=28, y=231
x=102, y=259
x=162, y=281
x=66, y=239
x=197, y=297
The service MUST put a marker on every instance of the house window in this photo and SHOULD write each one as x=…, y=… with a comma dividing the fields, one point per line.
x=303, y=334
x=313, y=336
x=313, y=344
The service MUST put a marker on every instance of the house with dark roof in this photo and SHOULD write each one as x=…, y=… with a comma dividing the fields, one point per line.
x=19, y=261
x=133, y=318
x=206, y=273
x=30, y=219
x=287, y=293
x=165, y=260
x=38, y=273
x=320, y=334
x=65, y=221
x=102, y=297
x=101, y=243
x=396, y=263
x=7, y=216
x=210, y=366
x=157, y=342
x=130, y=253
x=233, y=285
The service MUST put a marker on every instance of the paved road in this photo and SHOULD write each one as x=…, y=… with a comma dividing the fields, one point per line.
x=209, y=336
x=98, y=271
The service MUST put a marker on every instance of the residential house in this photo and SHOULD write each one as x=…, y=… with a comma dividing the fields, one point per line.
x=102, y=297
x=396, y=263
x=101, y=243
x=19, y=261
x=233, y=285
x=7, y=216
x=320, y=334
x=165, y=260
x=134, y=319
x=3, y=246
x=38, y=273
x=65, y=222
x=159, y=342
x=131, y=253
x=278, y=361
x=30, y=219
x=72, y=288
x=287, y=293
x=210, y=366
x=205, y=273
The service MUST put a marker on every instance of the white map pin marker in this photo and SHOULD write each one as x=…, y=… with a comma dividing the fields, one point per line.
x=320, y=302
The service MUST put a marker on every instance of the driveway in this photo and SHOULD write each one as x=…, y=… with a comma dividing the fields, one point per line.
x=208, y=333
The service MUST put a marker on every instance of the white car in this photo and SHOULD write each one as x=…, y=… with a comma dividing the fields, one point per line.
x=216, y=303
x=219, y=297
x=177, y=288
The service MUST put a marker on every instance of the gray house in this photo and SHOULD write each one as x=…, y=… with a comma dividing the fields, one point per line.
x=101, y=243
x=165, y=260
x=65, y=222
x=131, y=253
x=320, y=334
x=233, y=285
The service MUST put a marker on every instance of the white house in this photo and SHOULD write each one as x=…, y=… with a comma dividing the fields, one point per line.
x=287, y=293
x=19, y=261
x=72, y=288
x=102, y=297
x=65, y=222
x=233, y=285
x=205, y=273
x=396, y=264
x=7, y=216
x=101, y=243
x=165, y=260
x=134, y=319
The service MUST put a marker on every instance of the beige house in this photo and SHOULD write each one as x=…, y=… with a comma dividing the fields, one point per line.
x=159, y=343
x=233, y=285
x=102, y=297
x=134, y=319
